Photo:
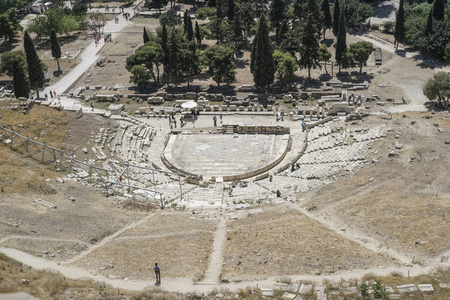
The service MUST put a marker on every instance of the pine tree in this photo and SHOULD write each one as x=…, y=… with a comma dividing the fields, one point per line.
x=399, y=33
x=190, y=30
x=231, y=9
x=56, y=50
x=438, y=9
x=20, y=81
x=341, y=43
x=198, y=35
x=429, y=28
x=336, y=14
x=309, y=49
x=327, y=21
x=277, y=14
x=146, y=37
x=263, y=63
x=35, y=71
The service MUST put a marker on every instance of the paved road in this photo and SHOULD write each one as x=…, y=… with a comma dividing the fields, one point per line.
x=88, y=57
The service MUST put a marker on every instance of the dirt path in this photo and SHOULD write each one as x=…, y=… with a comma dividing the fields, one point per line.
x=411, y=82
x=137, y=237
x=109, y=239
x=43, y=238
x=212, y=274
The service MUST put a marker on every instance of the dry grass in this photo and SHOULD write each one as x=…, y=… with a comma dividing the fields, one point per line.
x=19, y=175
x=399, y=200
x=284, y=243
x=49, y=285
x=180, y=253
x=170, y=223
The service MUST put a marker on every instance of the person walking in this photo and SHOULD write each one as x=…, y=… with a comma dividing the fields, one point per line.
x=157, y=273
x=215, y=121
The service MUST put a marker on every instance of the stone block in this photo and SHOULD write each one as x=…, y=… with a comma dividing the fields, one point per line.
x=407, y=288
x=425, y=287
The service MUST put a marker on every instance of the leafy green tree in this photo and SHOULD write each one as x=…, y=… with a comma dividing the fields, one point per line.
x=438, y=9
x=262, y=64
x=56, y=50
x=55, y=19
x=447, y=52
x=20, y=81
x=80, y=8
x=277, y=13
x=170, y=18
x=434, y=44
x=361, y=52
x=336, y=14
x=309, y=48
x=286, y=65
x=7, y=60
x=429, y=28
x=148, y=56
x=219, y=59
x=438, y=88
x=158, y=4
x=341, y=43
x=218, y=28
x=8, y=4
x=399, y=33
x=140, y=75
x=347, y=59
x=198, y=36
x=96, y=21
x=327, y=20
x=356, y=12
x=9, y=25
x=324, y=55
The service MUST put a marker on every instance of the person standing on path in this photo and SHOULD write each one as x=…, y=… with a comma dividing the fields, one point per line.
x=215, y=121
x=157, y=273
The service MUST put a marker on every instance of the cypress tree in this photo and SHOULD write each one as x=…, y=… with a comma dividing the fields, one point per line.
x=190, y=30
x=399, y=33
x=309, y=49
x=263, y=63
x=212, y=3
x=198, y=36
x=341, y=43
x=336, y=14
x=277, y=15
x=430, y=1
x=284, y=29
x=327, y=21
x=438, y=9
x=231, y=8
x=165, y=50
x=185, y=21
x=146, y=37
x=20, y=81
x=35, y=72
x=174, y=52
x=56, y=50
x=429, y=28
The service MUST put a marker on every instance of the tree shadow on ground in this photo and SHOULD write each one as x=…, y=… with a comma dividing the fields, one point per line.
x=242, y=63
x=57, y=73
x=357, y=78
x=434, y=106
x=10, y=45
x=325, y=77
x=44, y=44
x=327, y=42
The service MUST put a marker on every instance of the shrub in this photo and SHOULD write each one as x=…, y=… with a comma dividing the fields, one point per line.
x=388, y=27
